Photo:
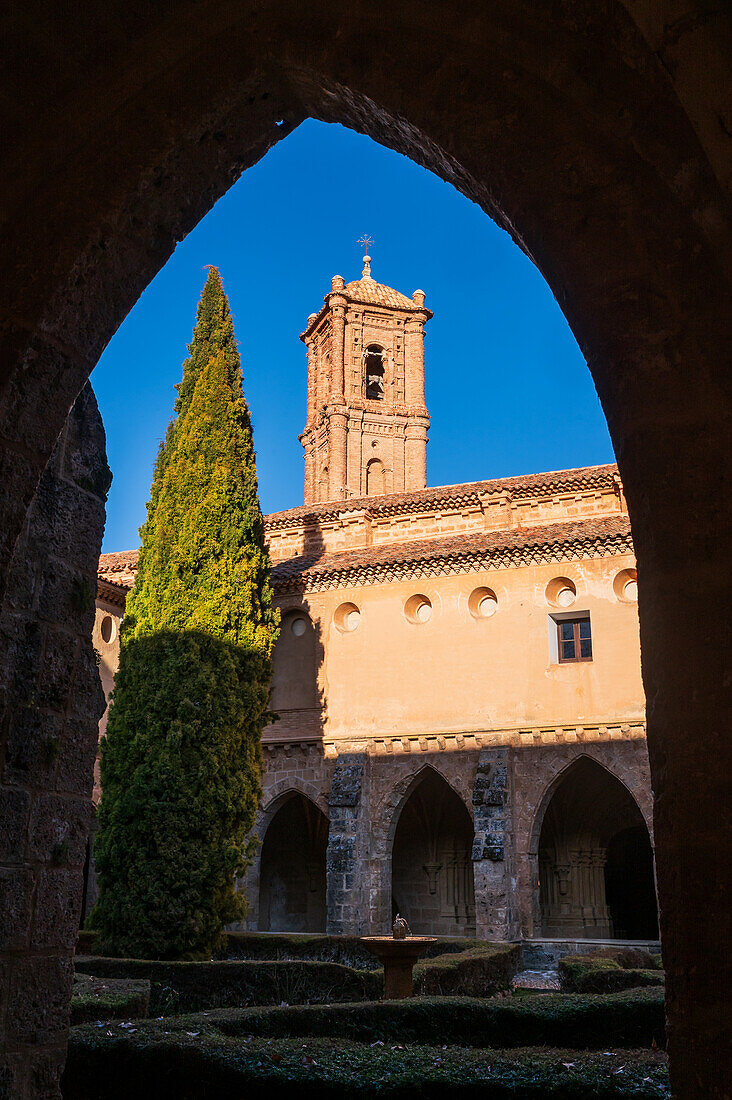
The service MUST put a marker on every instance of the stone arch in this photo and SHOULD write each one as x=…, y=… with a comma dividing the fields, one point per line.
x=562, y=769
x=562, y=155
x=431, y=865
x=584, y=809
x=275, y=794
x=292, y=865
x=278, y=791
x=392, y=804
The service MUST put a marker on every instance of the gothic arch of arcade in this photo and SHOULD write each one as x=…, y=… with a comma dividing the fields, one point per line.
x=431, y=865
x=292, y=874
x=591, y=133
x=389, y=810
x=593, y=858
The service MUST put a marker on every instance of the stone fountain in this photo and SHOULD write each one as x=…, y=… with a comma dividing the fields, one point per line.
x=398, y=953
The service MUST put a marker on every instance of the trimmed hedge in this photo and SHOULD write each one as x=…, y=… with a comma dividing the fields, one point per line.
x=479, y=971
x=109, y=999
x=610, y=971
x=318, y=947
x=628, y=1019
x=86, y=941
x=115, y=1066
x=194, y=986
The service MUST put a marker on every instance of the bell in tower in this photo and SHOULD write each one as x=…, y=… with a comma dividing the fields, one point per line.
x=366, y=429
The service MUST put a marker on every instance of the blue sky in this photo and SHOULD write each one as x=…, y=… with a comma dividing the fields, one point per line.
x=507, y=387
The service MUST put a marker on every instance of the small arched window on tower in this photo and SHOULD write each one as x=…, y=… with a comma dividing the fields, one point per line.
x=374, y=370
x=375, y=486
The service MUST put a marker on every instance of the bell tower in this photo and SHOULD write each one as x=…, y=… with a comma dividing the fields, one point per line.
x=366, y=429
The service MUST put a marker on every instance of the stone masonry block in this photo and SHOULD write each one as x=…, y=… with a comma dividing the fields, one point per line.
x=84, y=459
x=483, y=848
x=77, y=753
x=345, y=787
x=32, y=746
x=66, y=595
x=57, y=669
x=87, y=699
x=340, y=855
x=56, y=919
x=16, y=892
x=21, y=642
x=491, y=783
x=38, y=1007
x=14, y=809
x=58, y=831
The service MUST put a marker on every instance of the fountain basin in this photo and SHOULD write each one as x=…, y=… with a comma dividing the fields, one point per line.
x=398, y=958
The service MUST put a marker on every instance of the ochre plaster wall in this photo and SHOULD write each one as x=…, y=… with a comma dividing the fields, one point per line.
x=456, y=674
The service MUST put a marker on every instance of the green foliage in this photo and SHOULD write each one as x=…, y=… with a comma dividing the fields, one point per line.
x=198, y=1061
x=628, y=1019
x=348, y=950
x=178, y=986
x=479, y=971
x=181, y=762
x=108, y=999
x=610, y=972
x=313, y=978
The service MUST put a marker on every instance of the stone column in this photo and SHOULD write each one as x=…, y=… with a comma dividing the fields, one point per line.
x=414, y=357
x=415, y=457
x=338, y=326
x=494, y=918
x=337, y=411
x=51, y=700
x=347, y=854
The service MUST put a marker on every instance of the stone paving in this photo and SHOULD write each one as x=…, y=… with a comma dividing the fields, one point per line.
x=536, y=979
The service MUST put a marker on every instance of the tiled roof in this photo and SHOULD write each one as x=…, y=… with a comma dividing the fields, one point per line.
x=373, y=293
x=558, y=481
x=119, y=569
x=455, y=553
x=371, y=563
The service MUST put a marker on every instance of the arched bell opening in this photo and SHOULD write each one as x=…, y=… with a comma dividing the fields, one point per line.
x=374, y=372
x=432, y=871
x=292, y=869
x=595, y=860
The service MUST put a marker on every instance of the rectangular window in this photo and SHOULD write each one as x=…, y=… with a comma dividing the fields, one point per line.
x=574, y=640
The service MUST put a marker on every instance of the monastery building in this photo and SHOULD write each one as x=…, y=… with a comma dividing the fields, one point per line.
x=460, y=733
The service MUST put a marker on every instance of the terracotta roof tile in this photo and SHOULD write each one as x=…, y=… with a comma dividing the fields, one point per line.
x=119, y=568
x=583, y=535
x=372, y=293
x=424, y=499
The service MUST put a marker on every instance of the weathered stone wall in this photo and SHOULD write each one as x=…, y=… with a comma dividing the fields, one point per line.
x=505, y=789
x=50, y=702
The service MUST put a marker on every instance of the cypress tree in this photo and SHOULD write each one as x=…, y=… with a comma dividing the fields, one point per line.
x=181, y=760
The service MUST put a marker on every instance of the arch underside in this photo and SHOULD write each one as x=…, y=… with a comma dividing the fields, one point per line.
x=595, y=860
x=432, y=871
x=292, y=872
